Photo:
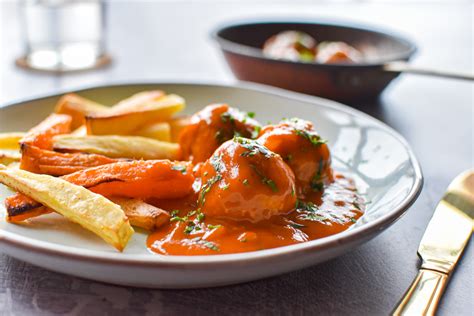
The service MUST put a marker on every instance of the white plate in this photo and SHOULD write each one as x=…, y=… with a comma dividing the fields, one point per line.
x=378, y=158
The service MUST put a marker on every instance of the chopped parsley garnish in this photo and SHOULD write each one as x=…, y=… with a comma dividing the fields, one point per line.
x=190, y=228
x=353, y=219
x=256, y=131
x=213, y=226
x=206, y=243
x=309, y=212
x=245, y=182
x=200, y=217
x=217, y=163
x=313, y=138
x=300, y=127
x=253, y=148
x=313, y=217
x=317, y=183
x=251, y=114
x=296, y=225
x=225, y=186
x=227, y=117
x=356, y=205
x=182, y=169
x=265, y=180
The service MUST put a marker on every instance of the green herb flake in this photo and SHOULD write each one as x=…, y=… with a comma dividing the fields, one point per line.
x=225, y=186
x=353, y=219
x=189, y=228
x=179, y=168
x=265, y=180
x=200, y=217
x=296, y=225
x=245, y=182
x=206, y=243
x=178, y=219
x=251, y=114
x=213, y=226
x=256, y=131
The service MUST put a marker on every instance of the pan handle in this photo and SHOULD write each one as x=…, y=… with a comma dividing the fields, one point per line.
x=404, y=67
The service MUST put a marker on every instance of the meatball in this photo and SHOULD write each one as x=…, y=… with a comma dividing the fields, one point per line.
x=304, y=151
x=337, y=52
x=243, y=180
x=211, y=127
x=291, y=45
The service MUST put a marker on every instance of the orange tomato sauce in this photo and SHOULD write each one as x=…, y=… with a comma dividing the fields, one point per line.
x=330, y=212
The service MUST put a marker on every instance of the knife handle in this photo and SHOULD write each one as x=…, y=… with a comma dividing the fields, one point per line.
x=424, y=294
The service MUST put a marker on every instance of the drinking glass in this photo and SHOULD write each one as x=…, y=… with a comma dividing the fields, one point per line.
x=63, y=35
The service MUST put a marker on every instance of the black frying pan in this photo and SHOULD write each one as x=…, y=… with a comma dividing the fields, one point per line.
x=387, y=57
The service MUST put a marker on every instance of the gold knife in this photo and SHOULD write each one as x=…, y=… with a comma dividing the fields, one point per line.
x=445, y=238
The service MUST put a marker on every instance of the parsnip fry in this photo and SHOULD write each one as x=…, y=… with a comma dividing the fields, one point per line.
x=7, y=156
x=177, y=125
x=78, y=107
x=142, y=214
x=125, y=121
x=138, y=100
x=10, y=140
x=135, y=147
x=90, y=210
x=158, y=131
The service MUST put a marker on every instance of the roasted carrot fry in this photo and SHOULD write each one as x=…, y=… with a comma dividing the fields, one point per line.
x=77, y=107
x=53, y=163
x=139, y=213
x=133, y=179
x=42, y=134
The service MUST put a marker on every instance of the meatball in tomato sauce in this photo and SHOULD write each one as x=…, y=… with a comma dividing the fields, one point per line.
x=243, y=180
x=308, y=156
x=211, y=127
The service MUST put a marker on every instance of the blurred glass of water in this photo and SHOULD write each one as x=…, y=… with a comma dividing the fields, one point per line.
x=63, y=35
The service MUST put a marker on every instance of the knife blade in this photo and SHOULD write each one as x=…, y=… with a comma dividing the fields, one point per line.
x=441, y=247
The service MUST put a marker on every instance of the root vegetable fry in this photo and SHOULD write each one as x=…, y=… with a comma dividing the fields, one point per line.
x=11, y=140
x=7, y=156
x=90, y=210
x=133, y=179
x=53, y=163
x=136, y=101
x=135, y=147
x=78, y=107
x=139, y=213
x=159, y=131
x=177, y=125
x=41, y=135
x=124, y=121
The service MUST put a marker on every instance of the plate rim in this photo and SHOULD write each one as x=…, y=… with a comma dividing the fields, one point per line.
x=156, y=260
